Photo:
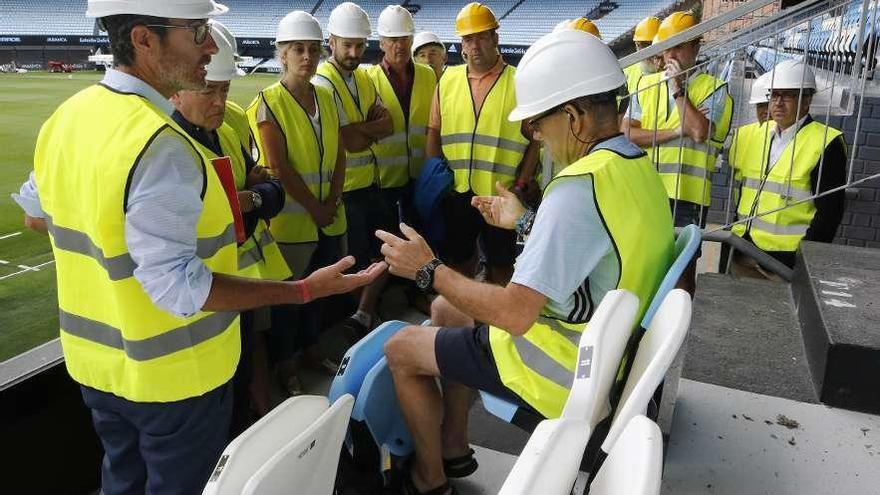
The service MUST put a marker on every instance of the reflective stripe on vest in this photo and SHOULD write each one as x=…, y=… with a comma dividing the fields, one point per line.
x=359, y=165
x=766, y=188
x=114, y=337
x=313, y=161
x=657, y=113
x=482, y=148
x=539, y=366
x=400, y=156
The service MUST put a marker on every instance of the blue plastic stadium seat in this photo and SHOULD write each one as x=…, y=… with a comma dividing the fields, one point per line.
x=360, y=359
x=377, y=406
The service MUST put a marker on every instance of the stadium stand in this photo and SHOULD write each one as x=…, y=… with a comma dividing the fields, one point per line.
x=522, y=21
x=50, y=17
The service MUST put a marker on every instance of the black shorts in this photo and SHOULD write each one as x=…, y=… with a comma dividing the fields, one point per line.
x=465, y=226
x=464, y=356
x=365, y=213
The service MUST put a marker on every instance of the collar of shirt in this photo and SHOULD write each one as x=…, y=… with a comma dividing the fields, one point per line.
x=126, y=83
x=492, y=72
x=410, y=69
x=208, y=139
x=785, y=136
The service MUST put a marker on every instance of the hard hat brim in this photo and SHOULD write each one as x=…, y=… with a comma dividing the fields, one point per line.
x=118, y=7
x=477, y=29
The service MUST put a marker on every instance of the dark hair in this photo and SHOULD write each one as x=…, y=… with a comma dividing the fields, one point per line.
x=119, y=28
x=598, y=104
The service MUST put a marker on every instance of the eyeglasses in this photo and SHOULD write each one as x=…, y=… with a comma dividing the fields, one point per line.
x=535, y=123
x=200, y=31
x=785, y=94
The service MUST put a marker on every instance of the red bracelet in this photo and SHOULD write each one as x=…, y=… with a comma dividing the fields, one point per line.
x=303, y=291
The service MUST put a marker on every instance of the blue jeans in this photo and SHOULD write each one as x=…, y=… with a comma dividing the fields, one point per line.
x=163, y=448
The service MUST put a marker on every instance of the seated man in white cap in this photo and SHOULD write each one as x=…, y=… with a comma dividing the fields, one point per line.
x=584, y=240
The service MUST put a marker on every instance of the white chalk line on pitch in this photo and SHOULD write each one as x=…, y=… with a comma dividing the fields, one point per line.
x=27, y=269
x=7, y=236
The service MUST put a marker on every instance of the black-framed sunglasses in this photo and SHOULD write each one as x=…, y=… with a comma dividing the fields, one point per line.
x=200, y=31
x=535, y=123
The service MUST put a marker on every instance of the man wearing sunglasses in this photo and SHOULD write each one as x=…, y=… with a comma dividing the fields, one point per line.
x=145, y=252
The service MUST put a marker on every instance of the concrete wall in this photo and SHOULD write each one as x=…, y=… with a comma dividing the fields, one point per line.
x=861, y=220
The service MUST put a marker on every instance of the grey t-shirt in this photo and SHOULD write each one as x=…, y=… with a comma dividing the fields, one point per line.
x=568, y=255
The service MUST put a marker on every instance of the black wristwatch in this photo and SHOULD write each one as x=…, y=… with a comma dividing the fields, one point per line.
x=425, y=275
x=678, y=94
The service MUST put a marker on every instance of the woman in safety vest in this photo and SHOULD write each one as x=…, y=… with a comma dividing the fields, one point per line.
x=296, y=129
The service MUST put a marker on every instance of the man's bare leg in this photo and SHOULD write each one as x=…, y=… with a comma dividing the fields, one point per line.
x=413, y=365
x=457, y=398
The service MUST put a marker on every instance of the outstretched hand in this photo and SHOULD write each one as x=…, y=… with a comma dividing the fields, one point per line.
x=332, y=279
x=500, y=211
x=405, y=256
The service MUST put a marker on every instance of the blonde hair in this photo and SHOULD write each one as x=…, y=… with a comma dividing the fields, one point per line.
x=280, y=53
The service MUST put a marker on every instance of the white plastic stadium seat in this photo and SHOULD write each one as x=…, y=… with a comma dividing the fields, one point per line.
x=657, y=350
x=296, y=445
x=550, y=460
x=635, y=464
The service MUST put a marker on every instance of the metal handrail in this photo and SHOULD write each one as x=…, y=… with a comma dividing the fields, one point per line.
x=750, y=250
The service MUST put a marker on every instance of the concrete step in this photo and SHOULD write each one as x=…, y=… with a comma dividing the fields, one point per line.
x=836, y=290
x=745, y=335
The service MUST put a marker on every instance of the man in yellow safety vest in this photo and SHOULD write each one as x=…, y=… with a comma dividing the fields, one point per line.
x=144, y=240
x=468, y=127
x=603, y=224
x=681, y=117
x=781, y=176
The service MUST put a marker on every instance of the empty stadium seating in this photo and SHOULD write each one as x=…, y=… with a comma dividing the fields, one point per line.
x=521, y=22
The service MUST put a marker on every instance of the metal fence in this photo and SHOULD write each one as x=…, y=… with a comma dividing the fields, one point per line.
x=837, y=39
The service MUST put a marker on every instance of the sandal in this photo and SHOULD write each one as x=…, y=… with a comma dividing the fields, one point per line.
x=460, y=467
x=409, y=487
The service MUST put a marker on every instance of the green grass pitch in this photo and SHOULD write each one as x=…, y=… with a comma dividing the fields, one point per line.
x=28, y=305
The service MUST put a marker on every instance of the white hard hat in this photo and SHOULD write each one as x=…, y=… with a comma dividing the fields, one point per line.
x=299, y=26
x=395, y=22
x=175, y=9
x=222, y=66
x=554, y=70
x=760, y=88
x=791, y=74
x=348, y=20
x=425, y=38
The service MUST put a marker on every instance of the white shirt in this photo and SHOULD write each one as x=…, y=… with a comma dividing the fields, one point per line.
x=781, y=139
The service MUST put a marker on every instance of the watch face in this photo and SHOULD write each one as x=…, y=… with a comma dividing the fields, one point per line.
x=423, y=279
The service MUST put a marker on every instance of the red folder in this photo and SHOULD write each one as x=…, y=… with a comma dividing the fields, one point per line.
x=223, y=167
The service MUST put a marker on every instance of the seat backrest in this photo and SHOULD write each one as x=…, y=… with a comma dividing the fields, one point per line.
x=308, y=463
x=377, y=406
x=686, y=245
x=634, y=466
x=361, y=358
x=548, y=463
x=600, y=350
x=256, y=445
x=657, y=350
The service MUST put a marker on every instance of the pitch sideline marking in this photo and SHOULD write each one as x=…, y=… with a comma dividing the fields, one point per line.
x=7, y=236
x=29, y=269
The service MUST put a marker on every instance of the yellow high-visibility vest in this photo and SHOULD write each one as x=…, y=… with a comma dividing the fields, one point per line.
x=787, y=181
x=258, y=256
x=115, y=339
x=539, y=366
x=236, y=118
x=360, y=166
x=401, y=155
x=481, y=148
x=685, y=166
x=312, y=159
